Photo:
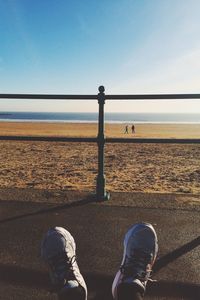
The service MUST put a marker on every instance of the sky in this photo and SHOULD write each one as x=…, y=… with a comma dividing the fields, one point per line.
x=74, y=46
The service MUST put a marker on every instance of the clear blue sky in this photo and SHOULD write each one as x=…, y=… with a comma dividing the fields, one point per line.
x=73, y=46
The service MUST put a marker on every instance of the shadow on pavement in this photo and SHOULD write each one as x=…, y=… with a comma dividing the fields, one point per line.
x=99, y=285
x=50, y=209
x=23, y=276
x=166, y=259
x=173, y=289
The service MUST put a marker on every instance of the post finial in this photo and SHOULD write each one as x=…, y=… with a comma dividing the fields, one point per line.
x=101, y=89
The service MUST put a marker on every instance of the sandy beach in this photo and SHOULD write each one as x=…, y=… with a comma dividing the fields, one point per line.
x=91, y=129
x=73, y=166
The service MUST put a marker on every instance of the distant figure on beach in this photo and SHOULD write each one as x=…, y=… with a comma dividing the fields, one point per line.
x=133, y=128
x=126, y=129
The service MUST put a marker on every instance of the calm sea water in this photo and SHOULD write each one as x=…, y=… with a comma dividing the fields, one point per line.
x=93, y=117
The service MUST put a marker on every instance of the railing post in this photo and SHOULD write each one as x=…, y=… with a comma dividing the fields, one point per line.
x=100, y=188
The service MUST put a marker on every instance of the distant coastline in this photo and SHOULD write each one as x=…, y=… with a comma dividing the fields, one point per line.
x=5, y=114
x=112, y=118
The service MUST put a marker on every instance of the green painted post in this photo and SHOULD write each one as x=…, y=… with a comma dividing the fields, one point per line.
x=100, y=189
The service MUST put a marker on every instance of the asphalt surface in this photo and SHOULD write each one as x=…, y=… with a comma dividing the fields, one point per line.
x=98, y=229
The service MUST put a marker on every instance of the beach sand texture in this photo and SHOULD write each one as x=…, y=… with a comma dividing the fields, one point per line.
x=91, y=129
x=73, y=166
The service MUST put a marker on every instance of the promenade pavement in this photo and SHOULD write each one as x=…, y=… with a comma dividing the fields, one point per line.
x=98, y=229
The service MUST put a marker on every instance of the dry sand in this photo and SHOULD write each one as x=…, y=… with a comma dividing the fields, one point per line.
x=73, y=166
x=90, y=130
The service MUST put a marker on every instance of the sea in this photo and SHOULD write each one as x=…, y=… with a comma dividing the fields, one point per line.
x=72, y=117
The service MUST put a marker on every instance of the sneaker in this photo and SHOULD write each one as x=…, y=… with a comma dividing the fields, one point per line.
x=58, y=250
x=140, y=251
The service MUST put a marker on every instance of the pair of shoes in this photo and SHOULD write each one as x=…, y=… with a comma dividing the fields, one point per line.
x=58, y=250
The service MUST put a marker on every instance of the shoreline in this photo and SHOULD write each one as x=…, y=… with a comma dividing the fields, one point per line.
x=96, y=122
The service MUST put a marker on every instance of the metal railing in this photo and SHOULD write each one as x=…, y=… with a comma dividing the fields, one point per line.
x=101, y=192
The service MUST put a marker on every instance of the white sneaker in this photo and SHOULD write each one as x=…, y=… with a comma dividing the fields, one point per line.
x=140, y=251
x=58, y=250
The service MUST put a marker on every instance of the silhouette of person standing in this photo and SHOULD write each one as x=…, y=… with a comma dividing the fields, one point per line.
x=126, y=129
x=133, y=129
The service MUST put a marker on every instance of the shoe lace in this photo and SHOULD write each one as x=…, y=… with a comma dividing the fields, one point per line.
x=137, y=265
x=62, y=268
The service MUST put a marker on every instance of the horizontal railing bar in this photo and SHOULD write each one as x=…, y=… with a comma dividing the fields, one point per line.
x=107, y=140
x=107, y=97
x=152, y=141
x=153, y=97
x=48, y=139
x=48, y=97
